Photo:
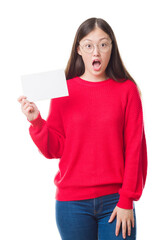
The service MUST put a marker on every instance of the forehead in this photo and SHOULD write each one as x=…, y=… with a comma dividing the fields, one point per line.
x=96, y=35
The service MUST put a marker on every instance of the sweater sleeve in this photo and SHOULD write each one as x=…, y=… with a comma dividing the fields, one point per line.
x=49, y=135
x=135, y=151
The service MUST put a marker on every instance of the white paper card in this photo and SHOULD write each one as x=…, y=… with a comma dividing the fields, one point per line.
x=45, y=85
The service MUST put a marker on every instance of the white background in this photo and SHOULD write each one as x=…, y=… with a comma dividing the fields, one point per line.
x=37, y=36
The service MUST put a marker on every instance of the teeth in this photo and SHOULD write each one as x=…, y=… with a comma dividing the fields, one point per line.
x=96, y=62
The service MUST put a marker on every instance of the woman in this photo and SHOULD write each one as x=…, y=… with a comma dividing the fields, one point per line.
x=98, y=134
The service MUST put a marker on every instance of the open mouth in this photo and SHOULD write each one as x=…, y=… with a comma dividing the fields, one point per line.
x=96, y=65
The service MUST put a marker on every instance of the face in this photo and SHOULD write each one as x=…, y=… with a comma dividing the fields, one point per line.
x=97, y=37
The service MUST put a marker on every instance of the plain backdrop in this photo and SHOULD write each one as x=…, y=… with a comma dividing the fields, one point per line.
x=37, y=36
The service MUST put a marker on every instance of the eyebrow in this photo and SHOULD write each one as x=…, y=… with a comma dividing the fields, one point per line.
x=99, y=39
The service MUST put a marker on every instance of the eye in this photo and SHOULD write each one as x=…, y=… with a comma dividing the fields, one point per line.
x=88, y=45
x=103, y=45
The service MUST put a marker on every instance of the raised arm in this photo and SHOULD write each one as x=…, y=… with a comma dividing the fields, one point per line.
x=49, y=135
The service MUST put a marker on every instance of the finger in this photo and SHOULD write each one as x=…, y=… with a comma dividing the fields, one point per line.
x=33, y=104
x=23, y=107
x=24, y=101
x=26, y=106
x=129, y=227
x=113, y=215
x=118, y=223
x=29, y=109
x=124, y=228
x=20, y=98
x=133, y=222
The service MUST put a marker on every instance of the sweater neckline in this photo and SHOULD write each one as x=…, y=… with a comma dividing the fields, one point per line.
x=89, y=83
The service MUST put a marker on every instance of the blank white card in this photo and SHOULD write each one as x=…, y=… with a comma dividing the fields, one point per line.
x=45, y=85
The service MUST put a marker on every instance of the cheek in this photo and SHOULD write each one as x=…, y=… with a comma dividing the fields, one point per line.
x=86, y=61
x=106, y=59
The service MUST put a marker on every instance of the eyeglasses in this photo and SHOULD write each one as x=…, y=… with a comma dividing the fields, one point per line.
x=103, y=46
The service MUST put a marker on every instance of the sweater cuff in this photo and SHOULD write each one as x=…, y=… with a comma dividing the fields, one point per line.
x=125, y=202
x=37, y=122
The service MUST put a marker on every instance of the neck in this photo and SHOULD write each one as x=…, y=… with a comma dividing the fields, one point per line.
x=94, y=78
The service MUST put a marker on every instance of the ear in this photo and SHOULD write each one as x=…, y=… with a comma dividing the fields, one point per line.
x=79, y=51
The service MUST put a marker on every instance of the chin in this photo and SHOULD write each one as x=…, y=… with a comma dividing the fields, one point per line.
x=98, y=74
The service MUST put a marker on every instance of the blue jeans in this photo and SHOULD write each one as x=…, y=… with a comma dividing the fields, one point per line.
x=88, y=219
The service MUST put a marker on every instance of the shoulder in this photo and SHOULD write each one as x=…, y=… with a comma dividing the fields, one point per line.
x=128, y=87
x=129, y=93
x=128, y=84
x=125, y=86
x=70, y=80
x=124, y=83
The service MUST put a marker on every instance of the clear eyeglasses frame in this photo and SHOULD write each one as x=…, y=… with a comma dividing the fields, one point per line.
x=89, y=47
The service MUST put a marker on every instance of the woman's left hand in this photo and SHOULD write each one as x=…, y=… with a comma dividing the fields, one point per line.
x=124, y=216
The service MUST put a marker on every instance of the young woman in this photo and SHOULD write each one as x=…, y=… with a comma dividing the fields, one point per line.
x=98, y=134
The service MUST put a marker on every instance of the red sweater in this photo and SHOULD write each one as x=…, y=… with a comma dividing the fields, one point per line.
x=97, y=133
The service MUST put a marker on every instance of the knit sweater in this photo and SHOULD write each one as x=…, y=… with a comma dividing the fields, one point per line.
x=97, y=133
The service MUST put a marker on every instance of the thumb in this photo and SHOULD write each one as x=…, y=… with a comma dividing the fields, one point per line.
x=113, y=215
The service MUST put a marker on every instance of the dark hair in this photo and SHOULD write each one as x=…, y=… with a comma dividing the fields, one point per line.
x=115, y=68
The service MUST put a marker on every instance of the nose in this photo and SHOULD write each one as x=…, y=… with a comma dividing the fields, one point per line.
x=96, y=50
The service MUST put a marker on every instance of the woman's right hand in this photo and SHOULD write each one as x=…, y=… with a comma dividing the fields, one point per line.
x=28, y=108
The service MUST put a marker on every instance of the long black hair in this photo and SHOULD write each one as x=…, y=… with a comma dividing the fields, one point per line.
x=115, y=68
